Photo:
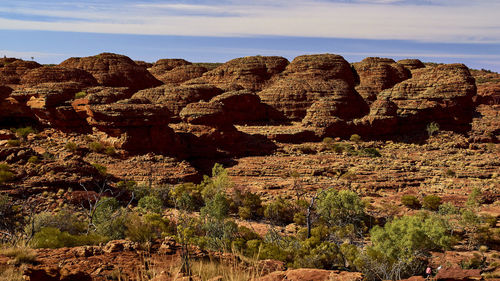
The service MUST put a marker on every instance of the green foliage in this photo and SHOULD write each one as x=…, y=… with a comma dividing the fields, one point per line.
x=355, y=138
x=219, y=182
x=96, y=147
x=248, y=205
x=447, y=209
x=51, y=237
x=187, y=196
x=80, y=95
x=33, y=159
x=279, y=211
x=476, y=262
x=410, y=201
x=217, y=207
x=22, y=133
x=63, y=220
x=109, y=219
x=431, y=202
x=409, y=236
x=100, y=168
x=139, y=229
x=5, y=173
x=340, y=208
x=474, y=200
x=139, y=190
x=432, y=128
x=151, y=204
x=13, y=143
x=369, y=151
x=110, y=151
x=71, y=146
x=450, y=173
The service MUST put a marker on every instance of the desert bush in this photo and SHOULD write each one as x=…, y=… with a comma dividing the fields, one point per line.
x=71, y=146
x=340, y=208
x=410, y=201
x=33, y=159
x=138, y=229
x=448, y=208
x=110, y=151
x=432, y=128
x=64, y=220
x=248, y=205
x=80, y=95
x=22, y=133
x=306, y=149
x=279, y=211
x=13, y=143
x=19, y=255
x=100, y=168
x=96, y=147
x=51, y=237
x=450, y=173
x=355, y=138
x=187, y=196
x=369, y=151
x=476, y=262
x=5, y=173
x=138, y=190
x=151, y=204
x=431, y=202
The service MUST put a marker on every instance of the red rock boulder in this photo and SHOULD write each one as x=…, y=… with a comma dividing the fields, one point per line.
x=114, y=70
x=57, y=74
x=377, y=74
x=12, y=70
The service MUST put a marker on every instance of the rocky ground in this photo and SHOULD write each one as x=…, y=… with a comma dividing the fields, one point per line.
x=265, y=119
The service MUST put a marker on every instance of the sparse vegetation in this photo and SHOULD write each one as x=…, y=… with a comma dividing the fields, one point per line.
x=432, y=128
x=80, y=95
x=410, y=201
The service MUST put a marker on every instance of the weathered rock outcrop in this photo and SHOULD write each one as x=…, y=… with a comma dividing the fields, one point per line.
x=50, y=103
x=308, y=79
x=163, y=65
x=176, y=98
x=133, y=127
x=252, y=73
x=377, y=74
x=441, y=94
x=309, y=274
x=104, y=95
x=114, y=70
x=12, y=70
x=181, y=74
x=56, y=74
x=411, y=63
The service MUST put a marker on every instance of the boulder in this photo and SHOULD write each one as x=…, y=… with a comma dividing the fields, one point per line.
x=163, y=65
x=252, y=73
x=114, y=70
x=181, y=74
x=243, y=107
x=105, y=95
x=411, y=64
x=307, y=274
x=56, y=74
x=306, y=80
x=377, y=74
x=441, y=94
x=206, y=113
x=12, y=70
x=176, y=98
x=457, y=274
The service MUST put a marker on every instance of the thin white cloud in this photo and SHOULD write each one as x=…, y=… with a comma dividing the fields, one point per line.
x=440, y=21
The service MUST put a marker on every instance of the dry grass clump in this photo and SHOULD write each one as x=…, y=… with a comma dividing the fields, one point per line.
x=19, y=255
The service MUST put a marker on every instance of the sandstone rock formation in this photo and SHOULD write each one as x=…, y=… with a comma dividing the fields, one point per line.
x=55, y=74
x=11, y=70
x=176, y=98
x=411, y=63
x=114, y=70
x=377, y=74
x=441, y=94
x=181, y=74
x=306, y=80
x=250, y=73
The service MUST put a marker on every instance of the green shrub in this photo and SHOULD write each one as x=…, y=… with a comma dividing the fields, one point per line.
x=410, y=201
x=338, y=208
x=138, y=229
x=13, y=143
x=450, y=173
x=71, y=146
x=279, y=211
x=448, y=209
x=110, y=151
x=22, y=133
x=96, y=147
x=151, y=204
x=100, y=168
x=355, y=138
x=432, y=128
x=5, y=173
x=47, y=156
x=248, y=205
x=63, y=220
x=33, y=159
x=80, y=95
x=370, y=151
x=51, y=237
x=139, y=190
x=431, y=202
x=187, y=196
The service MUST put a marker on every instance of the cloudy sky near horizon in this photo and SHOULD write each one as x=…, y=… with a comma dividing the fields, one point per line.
x=210, y=30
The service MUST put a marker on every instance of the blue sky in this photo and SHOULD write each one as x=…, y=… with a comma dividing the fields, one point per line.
x=216, y=31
